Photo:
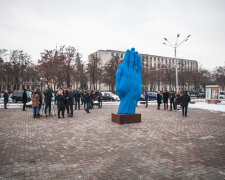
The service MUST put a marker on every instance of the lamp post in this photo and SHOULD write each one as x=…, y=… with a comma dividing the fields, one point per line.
x=174, y=46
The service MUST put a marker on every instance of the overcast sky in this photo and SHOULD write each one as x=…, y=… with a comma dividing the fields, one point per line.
x=90, y=25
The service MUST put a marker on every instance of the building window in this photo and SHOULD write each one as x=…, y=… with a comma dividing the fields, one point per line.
x=112, y=54
x=121, y=55
x=117, y=54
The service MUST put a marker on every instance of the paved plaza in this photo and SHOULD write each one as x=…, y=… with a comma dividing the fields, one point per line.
x=164, y=145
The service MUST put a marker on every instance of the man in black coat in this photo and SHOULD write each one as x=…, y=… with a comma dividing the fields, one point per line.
x=48, y=101
x=77, y=96
x=172, y=97
x=70, y=101
x=24, y=99
x=6, y=98
x=159, y=99
x=165, y=99
x=65, y=94
x=185, y=99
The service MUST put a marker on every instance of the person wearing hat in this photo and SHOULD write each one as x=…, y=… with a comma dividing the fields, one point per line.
x=24, y=99
x=185, y=99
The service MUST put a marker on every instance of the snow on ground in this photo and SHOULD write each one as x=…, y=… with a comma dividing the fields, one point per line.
x=199, y=104
x=210, y=107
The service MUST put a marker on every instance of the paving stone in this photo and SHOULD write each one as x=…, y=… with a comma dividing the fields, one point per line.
x=164, y=145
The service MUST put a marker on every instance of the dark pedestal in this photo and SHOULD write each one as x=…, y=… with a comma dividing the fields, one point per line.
x=126, y=118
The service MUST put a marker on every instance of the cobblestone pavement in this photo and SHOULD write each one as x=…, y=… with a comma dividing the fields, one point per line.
x=164, y=145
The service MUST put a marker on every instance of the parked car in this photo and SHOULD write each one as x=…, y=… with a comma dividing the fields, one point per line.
x=109, y=96
x=222, y=95
x=17, y=96
x=201, y=95
x=151, y=95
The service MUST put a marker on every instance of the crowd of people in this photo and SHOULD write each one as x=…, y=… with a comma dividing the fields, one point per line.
x=177, y=101
x=65, y=99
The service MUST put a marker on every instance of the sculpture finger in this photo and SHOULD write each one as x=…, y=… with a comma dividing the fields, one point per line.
x=139, y=64
x=135, y=61
x=131, y=60
x=125, y=61
x=119, y=73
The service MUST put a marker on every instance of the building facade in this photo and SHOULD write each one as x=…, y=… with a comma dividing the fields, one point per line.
x=151, y=62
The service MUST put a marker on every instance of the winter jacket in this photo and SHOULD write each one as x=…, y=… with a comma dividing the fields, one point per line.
x=165, y=96
x=35, y=100
x=48, y=97
x=65, y=94
x=77, y=96
x=70, y=98
x=178, y=99
x=24, y=97
x=185, y=99
x=146, y=97
x=61, y=102
x=6, y=97
x=159, y=98
x=172, y=97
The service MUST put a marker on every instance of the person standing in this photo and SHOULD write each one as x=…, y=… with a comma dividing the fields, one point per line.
x=48, y=101
x=99, y=97
x=82, y=97
x=185, y=99
x=24, y=99
x=60, y=99
x=165, y=99
x=146, y=99
x=65, y=94
x=177, y=100
x=35, y=104
x=172, y=97
x=159, y=99
x=88, y=101
x=6, y=98
x=70, y=101
x=40, y=99
x=77, y=96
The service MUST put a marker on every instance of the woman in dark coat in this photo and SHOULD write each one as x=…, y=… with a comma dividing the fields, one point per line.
x=61, y=103
x=6, y=98
x=159, y=99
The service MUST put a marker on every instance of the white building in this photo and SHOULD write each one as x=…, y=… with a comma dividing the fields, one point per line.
x=148, y=60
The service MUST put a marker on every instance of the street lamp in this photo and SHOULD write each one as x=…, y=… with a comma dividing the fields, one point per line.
x=174, y=46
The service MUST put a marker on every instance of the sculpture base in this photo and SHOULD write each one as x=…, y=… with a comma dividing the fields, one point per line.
x=126, y=118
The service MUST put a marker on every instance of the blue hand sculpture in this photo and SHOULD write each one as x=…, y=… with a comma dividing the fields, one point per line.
x=128, y=82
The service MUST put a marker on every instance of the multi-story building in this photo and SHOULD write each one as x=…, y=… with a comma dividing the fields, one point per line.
x=149, y=61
